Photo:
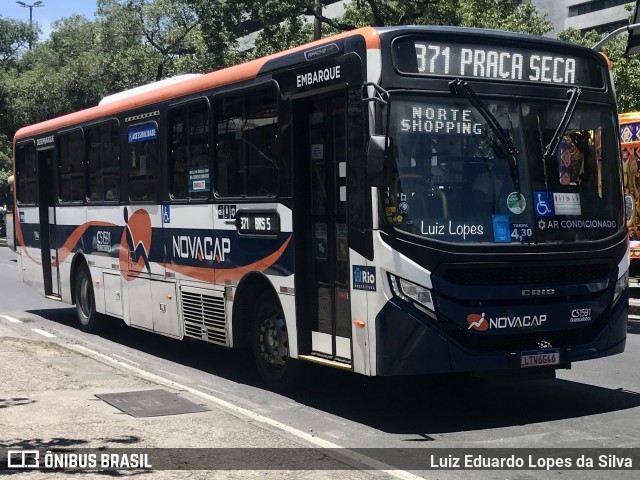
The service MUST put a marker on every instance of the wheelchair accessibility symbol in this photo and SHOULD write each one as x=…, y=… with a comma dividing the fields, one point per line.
x=544, y=204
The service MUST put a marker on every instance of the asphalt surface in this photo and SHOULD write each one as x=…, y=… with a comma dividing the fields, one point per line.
x=596, y=404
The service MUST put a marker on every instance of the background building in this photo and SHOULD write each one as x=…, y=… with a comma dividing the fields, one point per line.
x=599, y=15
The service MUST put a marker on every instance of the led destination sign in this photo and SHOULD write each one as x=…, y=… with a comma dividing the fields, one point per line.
x=420, y=57
x=258, y=223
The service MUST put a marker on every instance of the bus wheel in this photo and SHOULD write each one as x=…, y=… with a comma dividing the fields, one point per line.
x=271, y=345
x=85, y=301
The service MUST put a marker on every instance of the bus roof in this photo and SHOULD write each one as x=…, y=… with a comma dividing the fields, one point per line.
x=236, y=73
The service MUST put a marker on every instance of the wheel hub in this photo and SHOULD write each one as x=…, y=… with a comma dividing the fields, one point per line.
x=274, y=341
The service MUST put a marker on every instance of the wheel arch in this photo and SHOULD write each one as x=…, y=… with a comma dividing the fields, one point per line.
x=78, y=260
x=251, y=287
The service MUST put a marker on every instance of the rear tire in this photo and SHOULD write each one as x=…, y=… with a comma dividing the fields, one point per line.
x=85, y=301
x=270, y=345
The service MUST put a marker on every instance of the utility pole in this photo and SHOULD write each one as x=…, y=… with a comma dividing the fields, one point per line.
x=31, y=7
x=317, y=25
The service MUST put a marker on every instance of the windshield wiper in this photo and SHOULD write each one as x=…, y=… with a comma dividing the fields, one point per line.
x=552, y=146
x=461, y=87
x=543, y=158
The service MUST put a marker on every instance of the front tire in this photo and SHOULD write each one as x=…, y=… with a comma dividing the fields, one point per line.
x=270, y=345
x=85, y=301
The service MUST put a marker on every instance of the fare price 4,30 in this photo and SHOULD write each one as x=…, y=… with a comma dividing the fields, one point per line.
x=521, y=233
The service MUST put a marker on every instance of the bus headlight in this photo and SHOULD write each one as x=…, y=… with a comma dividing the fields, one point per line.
x=410, y=292
x=621, y=286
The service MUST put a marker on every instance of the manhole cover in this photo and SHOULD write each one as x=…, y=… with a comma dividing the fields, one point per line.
x=151, y=403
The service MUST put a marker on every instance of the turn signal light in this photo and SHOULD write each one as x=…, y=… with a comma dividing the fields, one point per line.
x=359, y=323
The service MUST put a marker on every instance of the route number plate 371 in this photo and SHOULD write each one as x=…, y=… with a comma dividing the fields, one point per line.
x=540, y=358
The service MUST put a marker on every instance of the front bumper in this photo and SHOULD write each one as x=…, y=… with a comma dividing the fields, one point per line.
x=409, y=343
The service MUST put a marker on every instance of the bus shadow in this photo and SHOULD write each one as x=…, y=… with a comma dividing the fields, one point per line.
x=633, y=326
x=438, y=404
x=417, y=406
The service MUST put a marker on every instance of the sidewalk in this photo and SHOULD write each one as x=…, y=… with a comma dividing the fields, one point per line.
x=47, y=401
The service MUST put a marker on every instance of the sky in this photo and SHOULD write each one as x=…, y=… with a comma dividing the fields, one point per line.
x=50, y=11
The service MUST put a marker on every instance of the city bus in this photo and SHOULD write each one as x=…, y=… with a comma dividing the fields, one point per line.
x=630, y=150
x=386, y=201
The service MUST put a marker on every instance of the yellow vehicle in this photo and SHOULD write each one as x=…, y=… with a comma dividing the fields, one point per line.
x=630, y=151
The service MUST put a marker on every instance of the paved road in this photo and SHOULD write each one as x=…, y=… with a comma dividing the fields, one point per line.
x=596, y=404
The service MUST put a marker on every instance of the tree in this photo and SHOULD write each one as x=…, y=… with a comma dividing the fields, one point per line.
x=6, y=169
x=509, y=15
x=626, y=69
x=14, y=39
x=168, y=26
x=497, y=14
x=222, y=22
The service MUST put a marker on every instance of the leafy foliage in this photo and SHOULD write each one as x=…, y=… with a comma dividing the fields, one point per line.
x=626, y=69
x=14, y=39
x=5, y=168
x=296, y=30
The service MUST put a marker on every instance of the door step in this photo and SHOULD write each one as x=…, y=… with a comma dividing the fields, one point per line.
x=57, y=298
x=325, y=361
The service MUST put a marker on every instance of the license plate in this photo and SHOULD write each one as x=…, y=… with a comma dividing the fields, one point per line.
x=540, y=358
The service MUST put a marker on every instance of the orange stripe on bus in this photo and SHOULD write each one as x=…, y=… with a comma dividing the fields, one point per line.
x=67, y=247
x=220, y=275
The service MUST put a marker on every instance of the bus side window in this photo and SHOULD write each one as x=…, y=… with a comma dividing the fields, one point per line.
x=190, y=172
x=247, y=163
x=111, y=165
x=143, y=163
x=71, y=172
x=26, y=174
x=103, y=158
x=230, y=165
x=261, y=134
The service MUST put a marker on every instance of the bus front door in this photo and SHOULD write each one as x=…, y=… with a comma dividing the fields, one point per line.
x=320, y=225
x=48, y=247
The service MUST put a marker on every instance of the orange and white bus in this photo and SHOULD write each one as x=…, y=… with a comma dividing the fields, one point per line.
x=387, y=201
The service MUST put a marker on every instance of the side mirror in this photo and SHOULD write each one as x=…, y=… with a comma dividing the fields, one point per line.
x=376, y=161
x=633, y=42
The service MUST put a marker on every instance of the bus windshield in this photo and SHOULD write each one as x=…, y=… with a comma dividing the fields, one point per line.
x=452, y=180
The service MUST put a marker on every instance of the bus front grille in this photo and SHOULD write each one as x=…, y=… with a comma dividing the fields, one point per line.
x=204, y=315
x=521, y=274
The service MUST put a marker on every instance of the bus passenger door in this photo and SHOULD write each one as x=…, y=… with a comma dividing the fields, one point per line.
x=320, y=223
x=47, y=215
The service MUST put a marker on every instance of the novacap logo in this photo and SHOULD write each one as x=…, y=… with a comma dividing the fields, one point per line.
x=482, y=324
x=477, y=322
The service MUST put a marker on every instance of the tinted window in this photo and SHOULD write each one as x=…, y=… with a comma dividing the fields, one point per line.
x=71, y=177
x=190, y=171
x=26, y=181
x=103, y=156
x=143, y=163
x=246, y=144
